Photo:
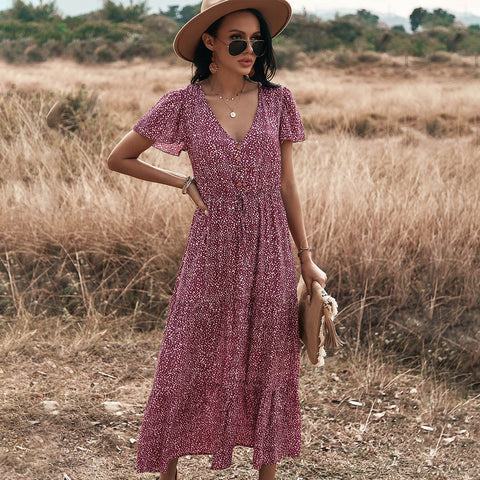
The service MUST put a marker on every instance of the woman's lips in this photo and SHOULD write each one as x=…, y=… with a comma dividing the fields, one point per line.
x=245, y=63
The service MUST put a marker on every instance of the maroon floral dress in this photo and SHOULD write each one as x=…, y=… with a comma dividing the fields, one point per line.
x=228, y=367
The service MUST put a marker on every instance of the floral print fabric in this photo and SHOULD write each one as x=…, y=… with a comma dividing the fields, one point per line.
x=228, y=366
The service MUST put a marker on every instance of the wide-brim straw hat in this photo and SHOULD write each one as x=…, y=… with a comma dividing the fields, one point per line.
x=316, y=321
x=277, y=14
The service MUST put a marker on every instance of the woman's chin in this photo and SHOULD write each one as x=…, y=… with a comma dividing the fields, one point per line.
x=244, y=70
x=239, y=69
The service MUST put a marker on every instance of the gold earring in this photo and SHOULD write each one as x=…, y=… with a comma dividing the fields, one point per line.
x=213, y=66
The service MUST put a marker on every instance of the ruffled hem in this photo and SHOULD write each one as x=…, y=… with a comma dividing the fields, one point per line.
x=272, y=427
x=293, y=453
x=164, y=123
x=170, y=148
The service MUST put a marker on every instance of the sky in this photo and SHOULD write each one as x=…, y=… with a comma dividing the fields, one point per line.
x=399, y=7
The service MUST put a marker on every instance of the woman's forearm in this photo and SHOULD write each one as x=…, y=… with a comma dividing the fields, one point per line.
x=144, y=171
x=293, y=209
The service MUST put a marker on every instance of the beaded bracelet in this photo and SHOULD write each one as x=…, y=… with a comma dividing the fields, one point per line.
x=187, y=183
x=302, y=249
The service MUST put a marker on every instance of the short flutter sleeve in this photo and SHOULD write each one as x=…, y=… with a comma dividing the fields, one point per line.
x=291, y=127
x=164, y=123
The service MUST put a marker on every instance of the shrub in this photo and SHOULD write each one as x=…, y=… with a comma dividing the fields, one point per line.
x=76, y=111
x=119, y=13
x=114, y=32
x=160, y=28
x=83, y=50
x=287, y=54
x=345, y=31
x=54, y=48
x=35, y=53
x=422, y=44
x=364, y=126
x=436, y=127
x=29, y=13
x=311, y=35
x=344, y=58
x=440, y=57
x=107, y=52
x=440, y=32
x=383, y=40
x=135, y=45
x=369, y=57
x=361, y=44
x=13, y=51
x=455, y=39
x=400, y=45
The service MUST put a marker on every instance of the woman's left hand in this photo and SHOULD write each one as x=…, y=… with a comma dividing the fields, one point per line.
x=311, y=272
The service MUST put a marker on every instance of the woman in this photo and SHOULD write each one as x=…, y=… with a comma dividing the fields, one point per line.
x=228, y=366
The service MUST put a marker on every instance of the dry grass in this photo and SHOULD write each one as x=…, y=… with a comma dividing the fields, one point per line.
x=89, y=258
x=429, y=102
x=80, y=364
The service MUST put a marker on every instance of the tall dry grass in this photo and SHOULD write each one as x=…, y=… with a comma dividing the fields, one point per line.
x=393, y=217
x=89, y=256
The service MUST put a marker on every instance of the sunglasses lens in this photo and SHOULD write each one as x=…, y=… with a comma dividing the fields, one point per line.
x=237, y=47
x=259, y=47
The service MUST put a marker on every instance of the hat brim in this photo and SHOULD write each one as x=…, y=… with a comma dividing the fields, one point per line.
x=310, y=318
x=277, y=14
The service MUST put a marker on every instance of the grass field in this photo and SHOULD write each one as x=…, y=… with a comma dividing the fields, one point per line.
x=388, y=179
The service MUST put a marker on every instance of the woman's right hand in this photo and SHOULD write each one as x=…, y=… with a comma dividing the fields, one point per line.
x=192, y=190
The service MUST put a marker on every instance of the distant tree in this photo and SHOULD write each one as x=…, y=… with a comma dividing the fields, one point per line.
x=383, y=40
x=29, y=13
x=182, y=15
x=345, y=31
x=455, y=39
x=311, y=34
x=417, y=17
x=188, y=12
x=118, y=13
x=136, y=12
x=470, y=45
x=367, y=18
x=356, y=32
x=348, y=17
x=401, y=45
x=172, y=12
x=111, y=11
x=439, y=17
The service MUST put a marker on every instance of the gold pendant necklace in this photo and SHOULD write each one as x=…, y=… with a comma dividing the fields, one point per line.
x=233, y=114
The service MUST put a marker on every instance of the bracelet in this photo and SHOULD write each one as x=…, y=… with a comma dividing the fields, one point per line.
x=187, y=183
x=302, y=249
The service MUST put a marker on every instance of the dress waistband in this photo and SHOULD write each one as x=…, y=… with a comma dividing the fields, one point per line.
x=248, y=194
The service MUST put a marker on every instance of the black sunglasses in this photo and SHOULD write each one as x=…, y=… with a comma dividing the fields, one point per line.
x=236, y=47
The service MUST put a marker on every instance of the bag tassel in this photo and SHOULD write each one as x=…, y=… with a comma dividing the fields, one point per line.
x=330, y=339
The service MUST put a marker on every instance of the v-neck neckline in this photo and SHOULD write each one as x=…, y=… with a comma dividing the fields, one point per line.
x=259, y=87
